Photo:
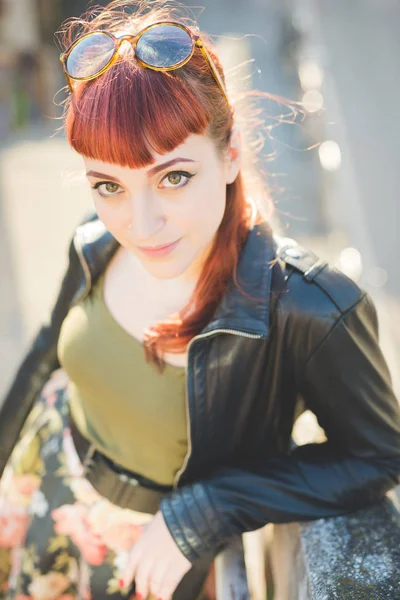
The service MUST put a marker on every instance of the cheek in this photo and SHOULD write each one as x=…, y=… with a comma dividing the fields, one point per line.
x=207, y=211
x=102, y=210
x=112, y=218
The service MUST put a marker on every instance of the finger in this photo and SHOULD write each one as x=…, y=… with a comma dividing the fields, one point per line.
x=165, y=589
x=142, y=581
x=164, y=583
x=129, y=572
x=157, y=581
x=171, y=580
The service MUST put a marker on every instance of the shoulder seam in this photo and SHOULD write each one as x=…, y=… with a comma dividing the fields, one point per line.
x=326, y=290
x=336, y=324
x=310, y=265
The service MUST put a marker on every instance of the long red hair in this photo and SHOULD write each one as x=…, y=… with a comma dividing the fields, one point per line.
x=119, y=115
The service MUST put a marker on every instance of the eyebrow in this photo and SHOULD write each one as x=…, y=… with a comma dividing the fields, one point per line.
x=150, y=172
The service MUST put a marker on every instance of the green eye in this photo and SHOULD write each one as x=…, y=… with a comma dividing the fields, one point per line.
x=110, y=187
x=175, y=178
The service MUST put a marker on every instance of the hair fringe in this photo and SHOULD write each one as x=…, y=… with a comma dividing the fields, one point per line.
x=100, y=123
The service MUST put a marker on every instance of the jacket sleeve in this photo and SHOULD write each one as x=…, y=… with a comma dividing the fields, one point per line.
x=38, y=363
x=348, y=386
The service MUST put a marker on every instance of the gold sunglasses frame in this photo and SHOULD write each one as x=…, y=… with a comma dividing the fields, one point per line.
x=133, y=39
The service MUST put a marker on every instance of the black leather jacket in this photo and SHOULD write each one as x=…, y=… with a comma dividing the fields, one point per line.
x=310, y=343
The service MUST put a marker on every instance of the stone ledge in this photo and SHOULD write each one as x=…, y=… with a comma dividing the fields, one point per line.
x=351, y=557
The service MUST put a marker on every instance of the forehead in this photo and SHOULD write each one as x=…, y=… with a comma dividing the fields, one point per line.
x=196, y=147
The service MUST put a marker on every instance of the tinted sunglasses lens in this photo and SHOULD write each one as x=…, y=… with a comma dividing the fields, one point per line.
x=164, y=46
x=90, y=55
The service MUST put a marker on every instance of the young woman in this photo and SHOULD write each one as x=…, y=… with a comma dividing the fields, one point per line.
x=151, y=419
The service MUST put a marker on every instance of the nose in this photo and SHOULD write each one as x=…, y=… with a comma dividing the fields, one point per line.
x=147, y=219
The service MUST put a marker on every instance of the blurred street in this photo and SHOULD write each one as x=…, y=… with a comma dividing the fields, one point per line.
x=40, y=206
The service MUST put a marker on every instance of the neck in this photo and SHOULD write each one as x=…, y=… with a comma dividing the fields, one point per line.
x=172, y=293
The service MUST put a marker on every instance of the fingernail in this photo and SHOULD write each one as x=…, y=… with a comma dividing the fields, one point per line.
x=121, y=583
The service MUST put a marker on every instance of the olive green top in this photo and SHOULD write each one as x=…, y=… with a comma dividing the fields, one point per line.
x=133, y=414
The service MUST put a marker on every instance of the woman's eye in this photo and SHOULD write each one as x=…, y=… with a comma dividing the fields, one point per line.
x=175, y=178
x=109, y=187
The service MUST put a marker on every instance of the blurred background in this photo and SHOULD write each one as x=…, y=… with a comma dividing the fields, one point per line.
x=340, y=199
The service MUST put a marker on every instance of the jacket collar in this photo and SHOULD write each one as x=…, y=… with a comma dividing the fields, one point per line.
x=236, y=313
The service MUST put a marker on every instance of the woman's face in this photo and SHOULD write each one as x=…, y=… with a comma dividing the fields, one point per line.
x=179, y=200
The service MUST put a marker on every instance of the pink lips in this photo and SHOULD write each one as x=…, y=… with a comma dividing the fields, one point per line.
x=159, y=251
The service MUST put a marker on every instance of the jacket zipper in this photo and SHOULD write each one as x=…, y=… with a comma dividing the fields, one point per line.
x=180, y=472
x=92, y=448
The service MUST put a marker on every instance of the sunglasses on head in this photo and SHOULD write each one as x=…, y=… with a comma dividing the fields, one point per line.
x=162, y=46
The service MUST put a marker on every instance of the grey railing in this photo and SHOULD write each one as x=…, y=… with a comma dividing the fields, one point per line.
x=351, y=557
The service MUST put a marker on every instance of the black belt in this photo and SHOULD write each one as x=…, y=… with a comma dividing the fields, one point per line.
x=120, y=486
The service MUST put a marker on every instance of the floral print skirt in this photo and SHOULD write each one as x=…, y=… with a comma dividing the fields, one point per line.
x=60, y=539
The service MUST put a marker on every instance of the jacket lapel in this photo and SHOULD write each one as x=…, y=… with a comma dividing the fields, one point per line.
x=95, y=247
x=249, y=313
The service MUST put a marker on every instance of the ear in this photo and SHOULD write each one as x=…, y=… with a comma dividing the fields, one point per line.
x=233, y=159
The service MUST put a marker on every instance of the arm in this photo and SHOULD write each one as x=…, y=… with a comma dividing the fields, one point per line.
x=39, y=362
x=348, y=386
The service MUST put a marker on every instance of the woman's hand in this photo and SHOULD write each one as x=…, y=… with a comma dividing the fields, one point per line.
x=155, y=562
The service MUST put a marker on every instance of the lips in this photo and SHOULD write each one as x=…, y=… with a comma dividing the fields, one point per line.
x=158, y=251
x=146, y=248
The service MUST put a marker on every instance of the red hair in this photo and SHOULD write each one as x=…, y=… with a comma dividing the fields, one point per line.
x=120, y=115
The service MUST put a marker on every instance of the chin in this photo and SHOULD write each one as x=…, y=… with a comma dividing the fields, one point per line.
x=165, y=271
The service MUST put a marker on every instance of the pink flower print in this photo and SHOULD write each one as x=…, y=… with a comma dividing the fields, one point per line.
x=26, y=484
x=71, y=519
x=15, y=498
x=120, y=535
x=58, y=379
x=99, y=515
x=68, y=517
x=49, y=586
x=119, y=528
x=16, y=563
x=91, y=548
x=14, y=522
x=84, y=492
x=74, y=465
x=85, y=573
